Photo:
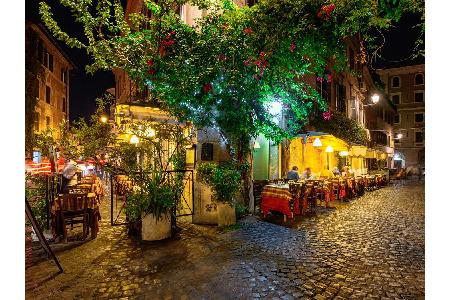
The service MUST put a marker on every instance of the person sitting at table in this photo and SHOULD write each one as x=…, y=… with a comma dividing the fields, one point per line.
x=308, y=174
x=293, y=174
x=336, y=171
x=347, y=172
x=69, y=177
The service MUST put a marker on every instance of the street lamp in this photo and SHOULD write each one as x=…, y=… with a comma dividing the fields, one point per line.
x=104, y=119
x=134, y=140
x=317, y=143
x=399, y=136
x=375, y=99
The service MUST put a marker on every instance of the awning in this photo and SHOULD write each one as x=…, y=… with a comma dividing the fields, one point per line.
x=326, y=140
x=358, y=151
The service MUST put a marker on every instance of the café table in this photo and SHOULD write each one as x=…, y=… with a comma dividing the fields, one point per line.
x=278, y=198
x=64, y=203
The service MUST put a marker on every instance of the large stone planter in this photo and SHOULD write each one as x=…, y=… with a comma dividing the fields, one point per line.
x=153, y=230
x=226, y=215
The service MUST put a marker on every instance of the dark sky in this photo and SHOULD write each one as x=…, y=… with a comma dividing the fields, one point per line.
x=85, y=88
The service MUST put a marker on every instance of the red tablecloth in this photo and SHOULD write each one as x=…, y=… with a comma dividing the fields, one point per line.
x=277, y=198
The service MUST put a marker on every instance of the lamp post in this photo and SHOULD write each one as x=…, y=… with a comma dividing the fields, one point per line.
x=328, y=151
x=375, y=99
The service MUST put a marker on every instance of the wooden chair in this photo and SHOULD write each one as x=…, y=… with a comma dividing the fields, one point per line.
x=258, y=186
x=73, y=210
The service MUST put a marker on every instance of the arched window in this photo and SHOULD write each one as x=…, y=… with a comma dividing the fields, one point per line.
x=395, y=82
x=418, y=79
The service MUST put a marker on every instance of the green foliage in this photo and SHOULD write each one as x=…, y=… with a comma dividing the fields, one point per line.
x=342, y=127
x=35, y=192
x=224, y=179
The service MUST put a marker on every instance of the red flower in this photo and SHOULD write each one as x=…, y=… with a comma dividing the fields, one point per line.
x=167, y=43
x=325, y=11
x=151, y=71
x=292, y=47
x=327, y=115
x=150, y=62
x=248, y=30
x=222, y=57
x=207, y=87
x=262, y=54
x=329, y=78
x=247, y=62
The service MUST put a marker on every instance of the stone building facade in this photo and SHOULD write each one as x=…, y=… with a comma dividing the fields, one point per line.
x=405, y=86
x=52, y=78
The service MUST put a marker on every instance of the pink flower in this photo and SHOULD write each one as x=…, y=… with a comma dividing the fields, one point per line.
x=247, y=62
x=319, y=79
x=222, y=57
x=207, y=87
x=248, y=30
x=151, y=71
x=292, y=47
x=150, y=62
x=327, y=115
x=329, y=78
x=262, y=54
x=167, y=43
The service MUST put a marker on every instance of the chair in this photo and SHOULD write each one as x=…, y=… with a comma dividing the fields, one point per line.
x=73, y=210
x=258, y=186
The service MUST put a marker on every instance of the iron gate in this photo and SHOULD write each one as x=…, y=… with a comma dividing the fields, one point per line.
x=120, y=186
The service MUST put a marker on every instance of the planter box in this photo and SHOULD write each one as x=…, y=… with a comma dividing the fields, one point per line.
x=154, y=231
x=226, y=215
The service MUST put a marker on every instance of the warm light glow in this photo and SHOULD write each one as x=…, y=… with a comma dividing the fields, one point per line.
x=275, y=108
x=257, y=145
x=317, y=143
x=104, y=119
x=343, y=153
x=329, y=149
x=150, y=132
x=375, y=98
x=134, y=140
x=399, y=136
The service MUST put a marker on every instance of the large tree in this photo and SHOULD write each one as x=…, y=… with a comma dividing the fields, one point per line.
x=228, y=70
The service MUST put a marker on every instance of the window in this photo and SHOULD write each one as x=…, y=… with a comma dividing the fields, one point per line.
x=418, y=117
x=418, y=96
x=419, y=137
x=47, y=121
x=395, y=82
x=63, y=76
x=396, y=98
x=41, y=51
x=397, y=119
x=48, y=94
x=64, y=104
x=36, y=121
x=50, y=62
x=418, y=79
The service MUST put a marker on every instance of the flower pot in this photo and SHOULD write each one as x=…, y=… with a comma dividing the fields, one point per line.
x=153, y=230
x=226, y=214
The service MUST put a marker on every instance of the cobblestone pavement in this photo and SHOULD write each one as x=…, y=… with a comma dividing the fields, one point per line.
x=369, y=248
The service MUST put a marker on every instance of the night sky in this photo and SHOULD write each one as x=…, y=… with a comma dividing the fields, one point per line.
x=85, y=88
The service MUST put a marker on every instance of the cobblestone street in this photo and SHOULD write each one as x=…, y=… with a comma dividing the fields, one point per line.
x=370, y=248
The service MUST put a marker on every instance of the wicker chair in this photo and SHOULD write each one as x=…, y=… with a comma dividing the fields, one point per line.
x=73, y=210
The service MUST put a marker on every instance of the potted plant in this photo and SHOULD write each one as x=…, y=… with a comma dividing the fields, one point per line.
x=147, y=163
x=225, y=181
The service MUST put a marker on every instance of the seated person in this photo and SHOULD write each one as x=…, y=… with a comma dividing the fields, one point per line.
x=336, y=171
x=347, y=172
x=308, y=174
x=293, y=174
